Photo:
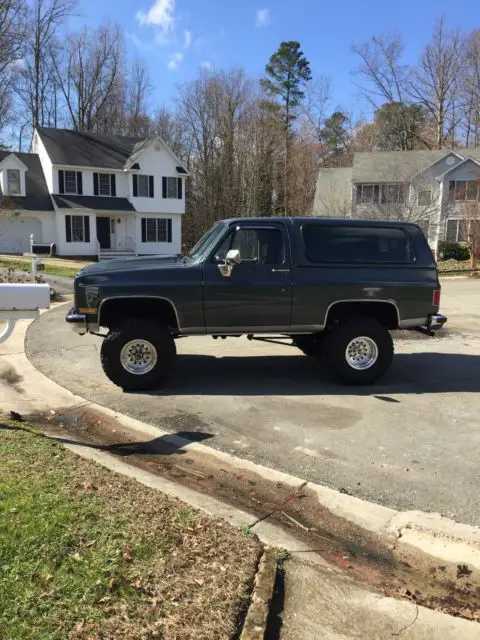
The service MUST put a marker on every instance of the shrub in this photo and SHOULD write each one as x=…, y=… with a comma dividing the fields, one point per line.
x=453, y=251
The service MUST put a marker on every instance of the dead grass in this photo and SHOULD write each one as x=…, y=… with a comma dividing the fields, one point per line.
x=86, y=553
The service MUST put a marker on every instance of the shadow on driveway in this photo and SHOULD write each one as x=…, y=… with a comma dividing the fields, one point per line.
x=287, y=376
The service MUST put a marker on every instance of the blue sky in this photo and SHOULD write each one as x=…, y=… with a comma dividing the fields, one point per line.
x=177, y=37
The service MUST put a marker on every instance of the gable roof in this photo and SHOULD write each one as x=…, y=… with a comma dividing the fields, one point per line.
x=37, y=197
x=396, y=166
x=465, y=161
x=84, y=149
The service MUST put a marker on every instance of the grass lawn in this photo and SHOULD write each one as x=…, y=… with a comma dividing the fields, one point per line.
x=454, y=265
x=86, y=553
x=53, y=266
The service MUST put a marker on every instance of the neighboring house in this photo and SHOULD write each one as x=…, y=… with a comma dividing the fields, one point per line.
x=436, y=189
x=92, y=195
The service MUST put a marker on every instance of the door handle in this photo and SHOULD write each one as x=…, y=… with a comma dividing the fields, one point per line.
x=280, y=270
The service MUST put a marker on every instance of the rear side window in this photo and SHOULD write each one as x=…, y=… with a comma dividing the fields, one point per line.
x=325, y=243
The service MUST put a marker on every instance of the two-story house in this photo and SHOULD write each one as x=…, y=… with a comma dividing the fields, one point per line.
x=437, y=189
x=92, y=195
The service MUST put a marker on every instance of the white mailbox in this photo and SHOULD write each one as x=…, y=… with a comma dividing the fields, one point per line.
x=21, y=302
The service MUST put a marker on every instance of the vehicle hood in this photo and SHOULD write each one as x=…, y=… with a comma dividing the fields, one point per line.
x=134, y=264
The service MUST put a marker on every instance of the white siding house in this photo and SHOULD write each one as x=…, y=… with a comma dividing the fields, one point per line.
x=93, y=195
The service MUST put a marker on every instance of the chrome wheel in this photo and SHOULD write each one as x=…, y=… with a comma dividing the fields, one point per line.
x=138, y=357
x=361, y=353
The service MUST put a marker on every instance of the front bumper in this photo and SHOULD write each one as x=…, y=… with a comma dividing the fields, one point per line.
x=77, y=321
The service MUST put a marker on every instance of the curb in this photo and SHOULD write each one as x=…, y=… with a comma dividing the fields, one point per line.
x=255, y=624
x=429, y=532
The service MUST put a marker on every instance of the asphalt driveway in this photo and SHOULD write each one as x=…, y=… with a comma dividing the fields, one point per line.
x=411, y=442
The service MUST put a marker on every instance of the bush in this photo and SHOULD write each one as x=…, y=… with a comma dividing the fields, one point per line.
x=453, y=251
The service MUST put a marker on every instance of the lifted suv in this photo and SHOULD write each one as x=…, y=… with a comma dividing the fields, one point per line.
x=334, y=288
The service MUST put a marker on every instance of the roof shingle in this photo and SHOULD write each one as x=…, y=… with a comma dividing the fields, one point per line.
x=36, y=196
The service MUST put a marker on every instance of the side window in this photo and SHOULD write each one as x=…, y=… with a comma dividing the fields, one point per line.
x=256, y=246
x=349, y=244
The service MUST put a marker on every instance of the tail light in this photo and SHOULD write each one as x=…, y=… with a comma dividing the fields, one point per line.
x=436, y=298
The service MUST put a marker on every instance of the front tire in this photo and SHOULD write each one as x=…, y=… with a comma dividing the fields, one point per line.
x=359, y=351
x=138, y=354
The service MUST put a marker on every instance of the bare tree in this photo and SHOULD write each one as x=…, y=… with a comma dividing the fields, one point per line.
x=435, y=83
x=138, y=90
x=90, y=78
x=471, y=89
x=12, y=34
x=37, y=88
x=385, y=77
x=315, y=106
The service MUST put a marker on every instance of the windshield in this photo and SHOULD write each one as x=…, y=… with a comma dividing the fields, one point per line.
x=206, y=241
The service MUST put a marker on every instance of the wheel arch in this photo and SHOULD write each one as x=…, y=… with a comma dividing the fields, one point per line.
x=385, y=311
x=122, y=307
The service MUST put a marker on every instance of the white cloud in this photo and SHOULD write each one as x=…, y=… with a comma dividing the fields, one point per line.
x=160, y=14
x=206, y=64
x=262, y=18
x=187, y=39
x=175, y=60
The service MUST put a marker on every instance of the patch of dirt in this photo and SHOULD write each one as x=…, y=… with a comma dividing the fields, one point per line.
x=384, y=563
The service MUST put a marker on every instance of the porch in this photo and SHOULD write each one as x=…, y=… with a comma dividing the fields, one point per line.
x=115, y=236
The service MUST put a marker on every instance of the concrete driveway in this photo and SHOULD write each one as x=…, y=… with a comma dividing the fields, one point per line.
x=410, y=442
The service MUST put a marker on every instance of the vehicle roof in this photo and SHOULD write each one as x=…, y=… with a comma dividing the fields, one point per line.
x=326, y=220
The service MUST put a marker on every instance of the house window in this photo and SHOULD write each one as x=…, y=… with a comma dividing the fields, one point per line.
x=70, y=182
x=13, y=181
x=393, y=194
x=172, y=188
x=156, y=230
x=368, y=193
x=463, y=190
x=424, y=197
x=455, y=231
x=104, y=184
x=77, y=228
x=143, y=186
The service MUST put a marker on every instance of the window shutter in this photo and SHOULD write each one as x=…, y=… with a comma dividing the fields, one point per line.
x=135, y=185
x=113, y=185
x=164, y=187
x=169, y=230
x=144, y=229
x=86, y=224
x=61, y=182
x=179, y=189
x=68, y=227
x=79, y=183
x=150, y=187
x=95, y=184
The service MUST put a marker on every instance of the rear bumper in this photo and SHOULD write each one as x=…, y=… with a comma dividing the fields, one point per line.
x=77, y=321
x=436, y=321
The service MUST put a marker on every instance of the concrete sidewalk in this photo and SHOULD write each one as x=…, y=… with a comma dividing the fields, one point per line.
x=318, y=601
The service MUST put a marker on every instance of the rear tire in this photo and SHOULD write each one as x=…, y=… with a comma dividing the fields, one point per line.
x=138, y=354
x=359, y=351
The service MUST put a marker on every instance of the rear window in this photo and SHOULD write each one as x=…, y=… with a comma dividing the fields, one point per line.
x=325, y=243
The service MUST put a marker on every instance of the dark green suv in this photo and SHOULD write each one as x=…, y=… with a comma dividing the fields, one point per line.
x=333, y=288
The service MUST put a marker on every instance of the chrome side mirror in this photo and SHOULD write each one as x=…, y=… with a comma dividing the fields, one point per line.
x=231, y=259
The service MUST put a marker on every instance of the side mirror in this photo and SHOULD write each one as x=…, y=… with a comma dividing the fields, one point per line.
x=231, y=259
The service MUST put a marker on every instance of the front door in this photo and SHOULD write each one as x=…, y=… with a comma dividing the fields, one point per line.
x=258, y=293
x=103, y=232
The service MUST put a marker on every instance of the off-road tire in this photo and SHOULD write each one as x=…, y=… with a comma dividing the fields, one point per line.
x=340, y=336
x=138, y=329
